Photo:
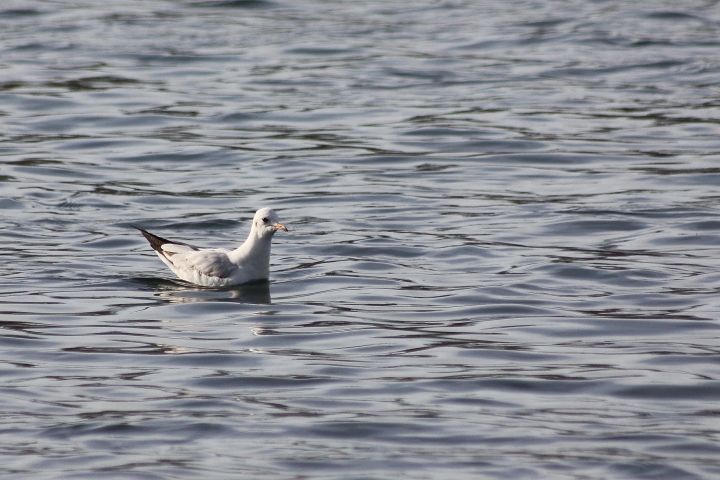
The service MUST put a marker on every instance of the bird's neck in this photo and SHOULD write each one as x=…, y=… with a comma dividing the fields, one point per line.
x=255, y=247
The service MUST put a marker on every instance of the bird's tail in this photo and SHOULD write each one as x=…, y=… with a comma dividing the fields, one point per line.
x=155, y=242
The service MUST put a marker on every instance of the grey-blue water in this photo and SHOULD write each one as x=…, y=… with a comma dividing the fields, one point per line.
x=504, y=256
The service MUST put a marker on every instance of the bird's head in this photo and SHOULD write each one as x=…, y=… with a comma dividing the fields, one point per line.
x=266, y=222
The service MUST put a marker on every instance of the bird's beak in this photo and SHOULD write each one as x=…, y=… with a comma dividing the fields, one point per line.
x=280, y=226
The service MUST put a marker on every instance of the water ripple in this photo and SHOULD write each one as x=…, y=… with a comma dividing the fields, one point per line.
x=502, y=258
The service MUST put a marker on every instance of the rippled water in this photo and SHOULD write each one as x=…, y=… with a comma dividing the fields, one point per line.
x=503, y=257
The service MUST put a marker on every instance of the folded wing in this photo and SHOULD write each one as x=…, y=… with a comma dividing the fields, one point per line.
x=186, y=258
x=213, y=263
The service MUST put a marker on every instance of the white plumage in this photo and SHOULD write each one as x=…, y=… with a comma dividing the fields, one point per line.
x=219, y=267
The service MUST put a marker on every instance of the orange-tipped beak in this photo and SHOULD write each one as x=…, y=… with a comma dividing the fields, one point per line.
x=280, y=226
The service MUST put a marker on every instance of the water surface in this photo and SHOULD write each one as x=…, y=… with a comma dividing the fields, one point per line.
x=503, y=257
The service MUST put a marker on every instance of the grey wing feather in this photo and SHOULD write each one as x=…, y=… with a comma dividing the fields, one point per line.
x=213, y=263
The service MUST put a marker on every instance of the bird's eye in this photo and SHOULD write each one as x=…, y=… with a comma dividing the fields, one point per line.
x=265, y=219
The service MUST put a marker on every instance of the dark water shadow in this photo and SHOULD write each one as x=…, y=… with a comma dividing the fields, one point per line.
x=257, y=293
x=241, y=4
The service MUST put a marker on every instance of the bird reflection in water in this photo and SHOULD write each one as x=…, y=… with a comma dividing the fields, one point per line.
x=256, y=293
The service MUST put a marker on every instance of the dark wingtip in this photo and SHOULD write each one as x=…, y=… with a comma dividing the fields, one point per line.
x=155, y=242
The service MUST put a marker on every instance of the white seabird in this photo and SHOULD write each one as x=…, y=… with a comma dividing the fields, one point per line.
x=220, y=267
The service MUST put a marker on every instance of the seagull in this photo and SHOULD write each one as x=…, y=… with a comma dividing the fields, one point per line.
x=220, y=267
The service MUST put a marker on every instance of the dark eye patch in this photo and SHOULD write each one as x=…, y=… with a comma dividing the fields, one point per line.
x=265, y=219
